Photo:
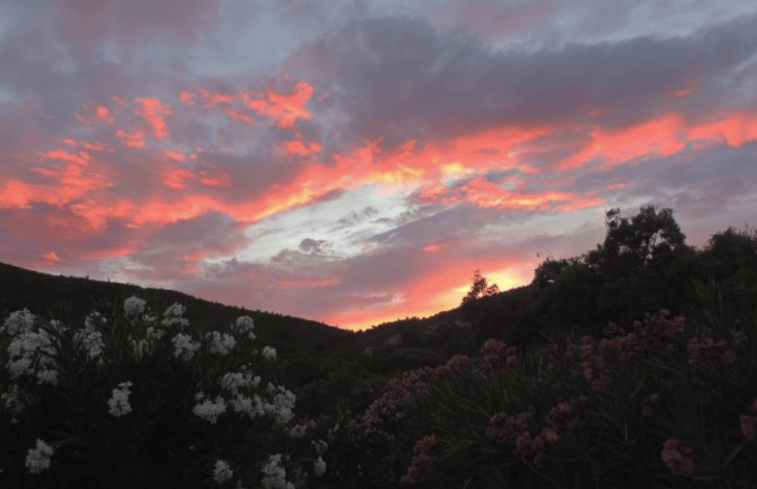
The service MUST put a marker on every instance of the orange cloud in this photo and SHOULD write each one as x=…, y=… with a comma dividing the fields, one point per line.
x=151, y=111
x=285, y=107
x=134, y=139
x=300, y=148
x=51, y=257
x=186, y=98
x=102, y=112
x=211, y=99
x=485, y=194
x=175, y=176
x=733, y=128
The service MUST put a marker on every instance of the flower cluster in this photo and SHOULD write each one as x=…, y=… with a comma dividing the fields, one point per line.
x=174, y=316
x=90, y=341
x=184, y=347
x=220, y=343
x=680, y=461
x=222, y=472
x=388, y=408
x=503, y=428
x=244, y=326
x=134, y=307
x=299, y=430
x=748, y=422
x=208, y=409
x=423, y=464
x=119, y=401
x=498, y=356
x=29, y=352
x=650, y=404
x=697, y=354
x=319, y=467
x=38, y=459
x=320, y=446
x=282, y=405
x=592, y=367
x=18, y=322
x=269, y=353
x=274, y=474
x=454, y=368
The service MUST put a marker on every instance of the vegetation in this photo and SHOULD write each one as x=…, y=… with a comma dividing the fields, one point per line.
x=632, y=365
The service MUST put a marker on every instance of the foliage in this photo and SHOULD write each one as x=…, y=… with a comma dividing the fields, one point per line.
x=479, y=288
x=130, y=399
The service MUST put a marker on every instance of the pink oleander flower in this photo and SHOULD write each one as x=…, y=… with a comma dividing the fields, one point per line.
x=650, y=404
x=747, y=424
x=679, y=460
x=454, y=367
x=498, y=356
x=423, y=464
x=320, y=446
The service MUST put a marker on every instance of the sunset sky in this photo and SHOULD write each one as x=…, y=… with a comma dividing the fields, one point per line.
x=354, y=161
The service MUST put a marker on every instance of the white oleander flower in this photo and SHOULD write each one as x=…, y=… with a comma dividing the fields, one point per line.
x=94, y=319
x=245, y=325
x=282, y=405
x=91, y=341
x=234, y=381
x=47, y=376
x=319, y=467
x=269, y=353
x=274, y=475
x=184, y=347
x=210, y=410
x=222, y=472
x=18, y=322
x=119, y=401
x=174, y=315
x=134, y=306
x=38, y=459
x=220, y=343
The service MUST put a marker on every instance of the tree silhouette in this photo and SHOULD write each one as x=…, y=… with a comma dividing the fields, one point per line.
x=479, y=288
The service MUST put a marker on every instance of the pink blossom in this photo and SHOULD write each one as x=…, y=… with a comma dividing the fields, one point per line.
x=679, y=461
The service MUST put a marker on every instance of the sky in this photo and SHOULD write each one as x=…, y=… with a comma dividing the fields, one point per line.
x=354, y=161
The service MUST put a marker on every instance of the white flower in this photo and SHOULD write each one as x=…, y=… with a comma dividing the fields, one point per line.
x=233, y=381
x=184, y=347
x=274, y=475
x=12, y=400
x=91, y=341
x=38, y=459
x=210, y=410
x=134, y=306
x=222, y=472
x=18, y=322
x=47, y=376
x=269, y=353
x=174, y=315
x=27, y=349
x=119, y=401
x=319, y=467
x=283, y=402
x=245, y=325
x=93, y=319
x=220, y=343
x=138, y=348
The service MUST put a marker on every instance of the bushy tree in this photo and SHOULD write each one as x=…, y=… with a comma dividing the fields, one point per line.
x=479, y=288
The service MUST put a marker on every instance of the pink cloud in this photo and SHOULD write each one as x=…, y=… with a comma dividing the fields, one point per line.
x=152, y=110
x=285, y=107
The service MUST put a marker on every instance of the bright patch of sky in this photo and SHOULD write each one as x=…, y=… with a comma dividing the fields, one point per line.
x=285, y=231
